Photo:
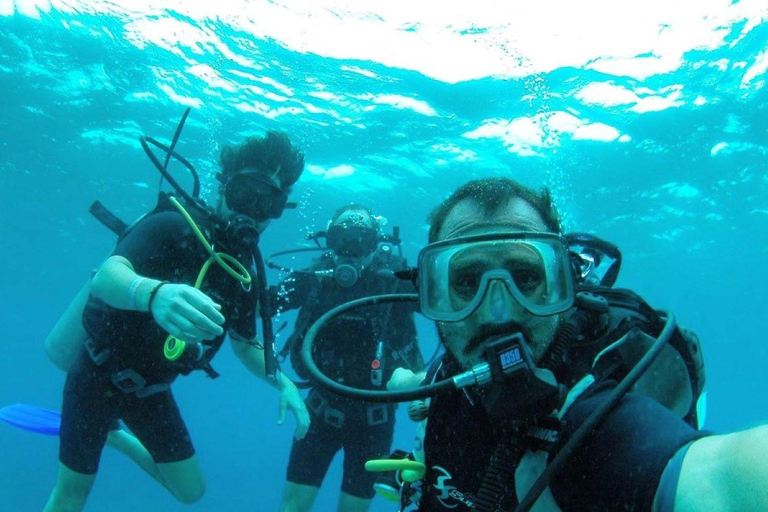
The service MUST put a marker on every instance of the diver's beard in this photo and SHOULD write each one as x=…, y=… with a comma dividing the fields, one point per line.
x=483, y=334
x=488, y=331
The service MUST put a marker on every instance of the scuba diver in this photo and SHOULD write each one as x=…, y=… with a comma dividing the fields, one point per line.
x=177, y=283
x=360, y=349
x=557, y=392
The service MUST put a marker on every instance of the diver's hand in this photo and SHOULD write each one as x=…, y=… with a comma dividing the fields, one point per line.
x=187, y=313
x=291, y=399
x=403, y=379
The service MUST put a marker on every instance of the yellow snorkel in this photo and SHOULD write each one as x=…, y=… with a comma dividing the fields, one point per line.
x=174, y=347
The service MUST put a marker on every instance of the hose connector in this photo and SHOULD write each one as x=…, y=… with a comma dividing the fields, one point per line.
x=479, y=375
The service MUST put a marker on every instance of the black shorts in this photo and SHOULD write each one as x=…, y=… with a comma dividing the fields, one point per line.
x=91, y=407
x=311, y=456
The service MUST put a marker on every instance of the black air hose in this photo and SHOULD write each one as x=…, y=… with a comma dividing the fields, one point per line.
x=500, y=472
x=557, y=353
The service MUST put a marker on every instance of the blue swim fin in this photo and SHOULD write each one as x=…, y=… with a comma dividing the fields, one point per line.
x=32, y=418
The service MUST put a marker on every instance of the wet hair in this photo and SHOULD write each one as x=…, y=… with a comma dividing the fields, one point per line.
x=354, y=207
x=265, y=154
x=492, y=194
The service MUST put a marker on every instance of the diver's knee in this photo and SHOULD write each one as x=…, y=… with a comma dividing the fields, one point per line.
x=184, y=479
x=190, y=493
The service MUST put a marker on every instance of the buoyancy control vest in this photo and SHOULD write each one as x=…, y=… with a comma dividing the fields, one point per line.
x=600, y=340
x=349, y=345
x=122, y=339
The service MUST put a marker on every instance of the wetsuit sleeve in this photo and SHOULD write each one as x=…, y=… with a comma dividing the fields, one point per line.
x=620, y=464
x=154, y=244
x=665, y=496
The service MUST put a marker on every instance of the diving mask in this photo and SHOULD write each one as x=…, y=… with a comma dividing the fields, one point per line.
x=254, y=194
x=455, y=275
x=354, y=241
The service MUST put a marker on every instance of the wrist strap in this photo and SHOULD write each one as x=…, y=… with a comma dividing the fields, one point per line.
x=153, y=293
x=133, y=289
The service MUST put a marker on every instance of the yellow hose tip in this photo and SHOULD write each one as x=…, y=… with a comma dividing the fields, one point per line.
x=381, y=465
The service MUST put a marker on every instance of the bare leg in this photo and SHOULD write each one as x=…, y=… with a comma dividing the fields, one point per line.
x=71, y=491
x=349, y=503
x=129, y=445
x=298, y=497
x=184, y=479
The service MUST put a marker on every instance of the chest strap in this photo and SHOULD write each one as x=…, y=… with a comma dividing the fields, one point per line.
x=130, y=381
x=534, y=461
x=375, y=414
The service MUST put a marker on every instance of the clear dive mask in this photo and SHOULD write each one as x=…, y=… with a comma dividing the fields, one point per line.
x=254, y=194
x=348, y=240
x=454, y=275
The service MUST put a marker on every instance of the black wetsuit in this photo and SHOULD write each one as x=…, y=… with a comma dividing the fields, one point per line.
x=345, y=351
x=161, y=246
x=618, y=467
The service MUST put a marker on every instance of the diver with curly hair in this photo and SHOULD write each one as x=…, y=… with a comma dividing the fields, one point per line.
x=164, y=281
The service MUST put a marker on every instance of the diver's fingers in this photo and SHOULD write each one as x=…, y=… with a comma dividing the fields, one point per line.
x=202, y=322
x=205, y=305
x=191, y=332
x=282, y=407
x=173, y=329
x=178, y=332
x=176, y=303
x=302, y=423
x=302, y=419
x=290, y=399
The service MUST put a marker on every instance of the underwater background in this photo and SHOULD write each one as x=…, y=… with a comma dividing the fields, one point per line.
x=649, y=121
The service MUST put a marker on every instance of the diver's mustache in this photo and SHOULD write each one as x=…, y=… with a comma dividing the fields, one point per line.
x=487, y=331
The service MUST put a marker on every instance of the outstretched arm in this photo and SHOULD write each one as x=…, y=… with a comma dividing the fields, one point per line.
x=113, y=281
x=183, y=311
x=727, y=473
x=252, y=358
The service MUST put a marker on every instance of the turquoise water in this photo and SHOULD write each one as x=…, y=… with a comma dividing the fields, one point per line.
x=650, y=124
